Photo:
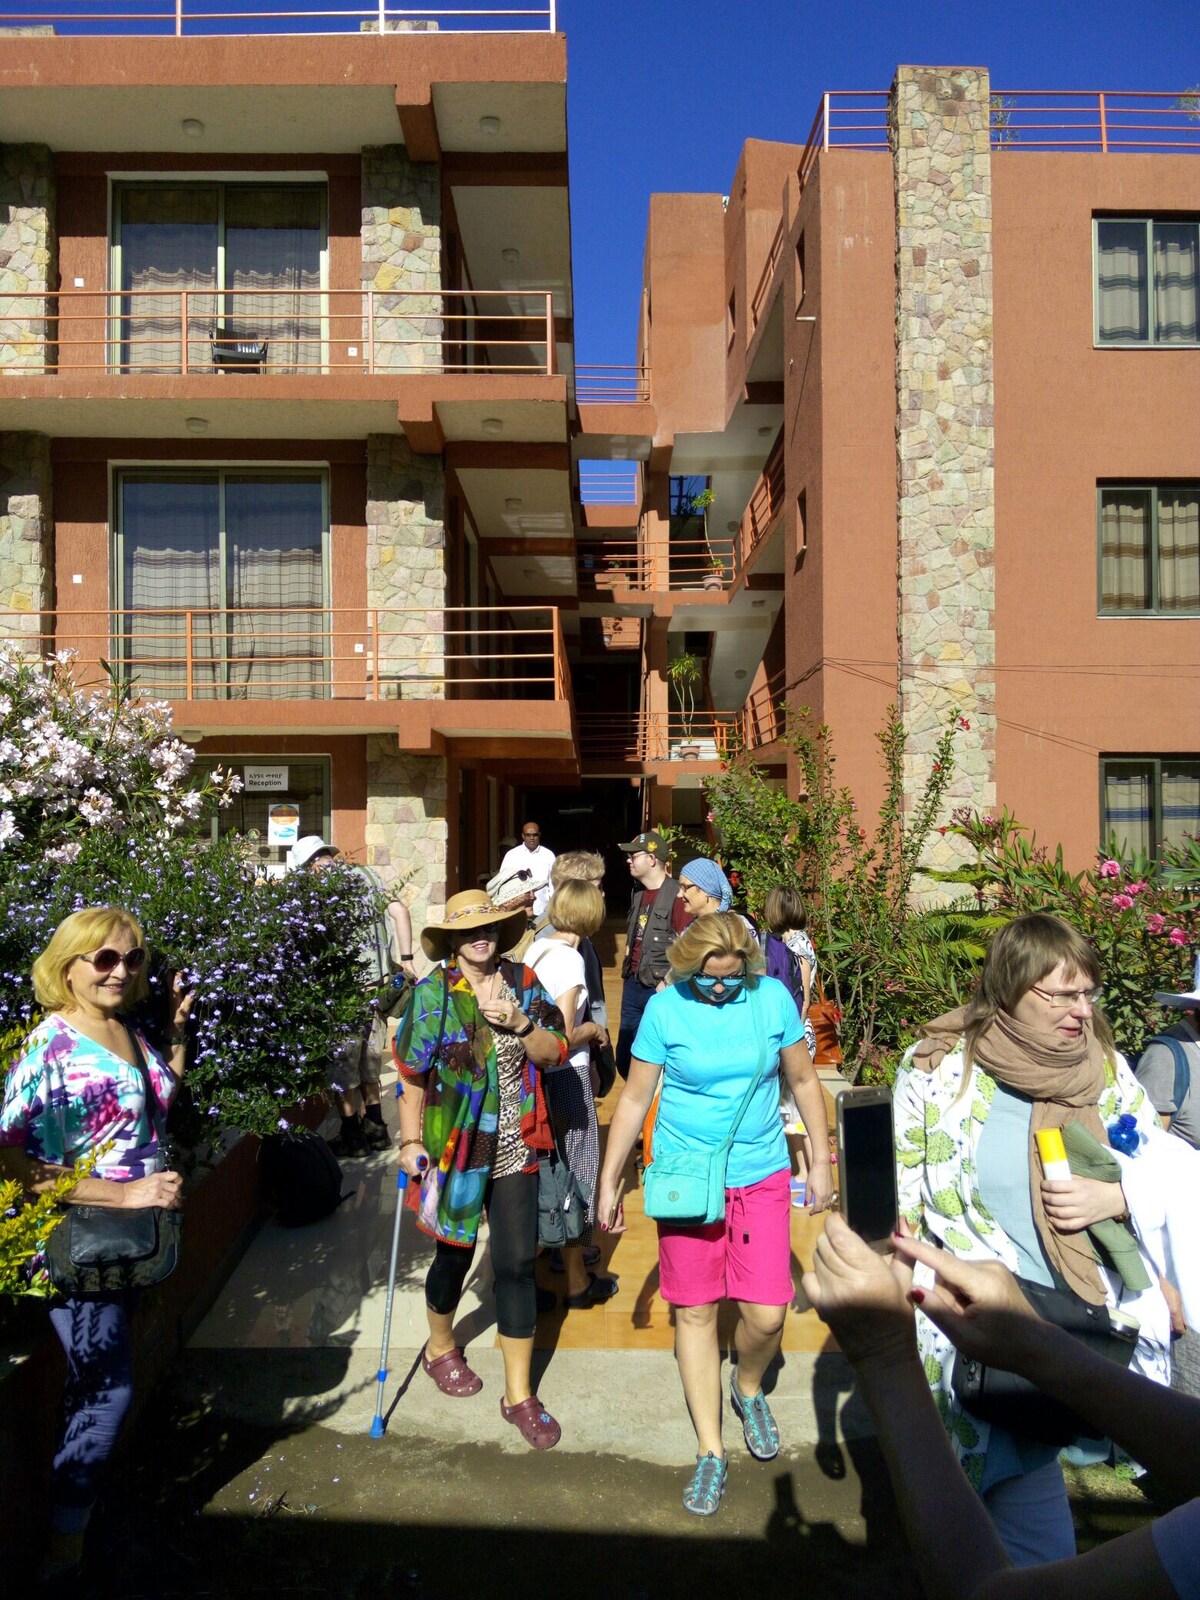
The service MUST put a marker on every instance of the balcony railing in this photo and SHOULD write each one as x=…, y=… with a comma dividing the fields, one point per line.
x=610, y=483
x=615, y=739
x=237, y=17
x=607, y=568
x=607, y=386
x=762, y=292
x=763, y=718
x=296, y=653
x=763, y=509
x=301, y=333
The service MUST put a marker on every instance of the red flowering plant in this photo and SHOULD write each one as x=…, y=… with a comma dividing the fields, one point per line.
x=1140, y=915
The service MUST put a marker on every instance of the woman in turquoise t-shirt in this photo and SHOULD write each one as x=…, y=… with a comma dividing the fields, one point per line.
x=718, y=1025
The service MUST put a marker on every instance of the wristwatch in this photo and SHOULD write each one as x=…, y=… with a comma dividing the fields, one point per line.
x=527, y=1029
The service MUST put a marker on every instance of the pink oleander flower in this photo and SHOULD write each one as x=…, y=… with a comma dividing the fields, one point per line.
x=1136, y=888
x=1122, y=902
x=1110, y=869
x=1155, y=922
x=1177, y=936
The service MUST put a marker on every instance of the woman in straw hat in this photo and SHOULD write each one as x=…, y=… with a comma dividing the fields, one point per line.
x=471, y=1051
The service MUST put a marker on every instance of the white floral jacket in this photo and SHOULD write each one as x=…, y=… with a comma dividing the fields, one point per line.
x=937, y=1143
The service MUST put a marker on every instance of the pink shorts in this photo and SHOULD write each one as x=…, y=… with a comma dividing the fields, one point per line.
x=746, y=1257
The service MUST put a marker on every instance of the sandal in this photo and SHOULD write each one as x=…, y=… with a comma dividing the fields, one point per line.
x=538, y=1428
x=702, y=1497
x=758, y=1425
x=452, y=1374
x=597, y=1292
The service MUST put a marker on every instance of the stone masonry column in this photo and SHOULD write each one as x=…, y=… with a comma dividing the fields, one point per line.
x=28, y=254
x=26, y=535
x=402, y=258
x=407, y=798
x=939, y=127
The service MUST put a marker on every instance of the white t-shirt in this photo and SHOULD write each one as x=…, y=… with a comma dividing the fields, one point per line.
x=538, y=862
x=560, y=968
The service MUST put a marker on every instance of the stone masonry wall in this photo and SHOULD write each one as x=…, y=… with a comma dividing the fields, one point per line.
x=402, y=258
x=407, y=826
x=939, y=129
x=28, y=254
x=26, y=533
x=406, y=566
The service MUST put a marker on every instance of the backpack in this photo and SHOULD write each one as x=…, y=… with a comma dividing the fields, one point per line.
x=1183, y=1070
x=783, y=964
x=301, y=1176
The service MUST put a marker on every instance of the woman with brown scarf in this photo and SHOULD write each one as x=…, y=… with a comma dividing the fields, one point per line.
x=1029, y=1051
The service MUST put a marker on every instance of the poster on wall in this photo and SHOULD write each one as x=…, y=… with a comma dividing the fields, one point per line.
x=283, y=825
x=265, y=780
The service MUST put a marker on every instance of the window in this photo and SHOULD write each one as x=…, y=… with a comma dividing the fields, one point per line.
x=1150, y=550
x=731, y=321
x=249, y=257
x=1147, y=281
x=800, y=270
x=297, y=801
x=1148, y=802
x=221, y=580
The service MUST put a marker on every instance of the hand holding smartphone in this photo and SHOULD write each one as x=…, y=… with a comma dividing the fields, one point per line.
x=866, y=1138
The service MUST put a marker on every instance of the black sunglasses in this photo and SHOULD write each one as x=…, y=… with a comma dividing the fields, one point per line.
x=108, y=960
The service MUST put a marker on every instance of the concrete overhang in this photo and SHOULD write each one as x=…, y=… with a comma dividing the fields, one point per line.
x=615, y=432
x=328, y=93
x=430, y=409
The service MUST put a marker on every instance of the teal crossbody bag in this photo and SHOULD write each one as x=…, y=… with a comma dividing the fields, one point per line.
x=689, y=1186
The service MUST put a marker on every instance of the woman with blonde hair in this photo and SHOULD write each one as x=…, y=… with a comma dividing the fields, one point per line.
x=721, y=1033
x=1029, y=1052
x=80, y=1088
x=575, y=911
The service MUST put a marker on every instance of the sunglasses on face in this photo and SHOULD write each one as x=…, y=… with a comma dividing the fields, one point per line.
x=108, y=960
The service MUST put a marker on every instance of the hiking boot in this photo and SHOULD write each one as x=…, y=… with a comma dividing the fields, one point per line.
x=375, y=1135
x=351, y=1141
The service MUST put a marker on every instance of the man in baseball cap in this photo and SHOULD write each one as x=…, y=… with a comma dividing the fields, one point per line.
x=656, y=915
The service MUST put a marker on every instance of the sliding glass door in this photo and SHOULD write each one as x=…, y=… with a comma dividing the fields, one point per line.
x=222, y=578
x=249, y=258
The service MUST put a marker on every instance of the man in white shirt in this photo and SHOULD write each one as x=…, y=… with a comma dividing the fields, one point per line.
x=532, y=856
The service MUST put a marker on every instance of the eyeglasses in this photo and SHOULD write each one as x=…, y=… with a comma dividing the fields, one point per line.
x=108, y=960
x=1064, y=999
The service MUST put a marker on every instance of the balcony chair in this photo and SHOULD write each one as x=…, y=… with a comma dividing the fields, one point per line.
x=232, y=354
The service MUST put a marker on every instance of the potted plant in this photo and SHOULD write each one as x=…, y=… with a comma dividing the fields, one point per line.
x=683, y=674
x=714, y=578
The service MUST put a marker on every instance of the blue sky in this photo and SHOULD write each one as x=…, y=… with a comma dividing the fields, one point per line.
x=662, y=94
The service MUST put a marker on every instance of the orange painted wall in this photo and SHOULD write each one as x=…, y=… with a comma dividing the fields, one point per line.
x=839, y=440
x=753, y=213
x=1073, y=686
x=685, y=274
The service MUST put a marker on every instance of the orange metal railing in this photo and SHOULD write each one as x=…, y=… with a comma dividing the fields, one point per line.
x=298, y=653
x=763, y=718
x=763, y=509
x=277, y=331
x=1099, y=120
x=762, y=292
x=224, y=17
x=616, y=739
x=607, y=568
x=617, y=483
x=606, y=386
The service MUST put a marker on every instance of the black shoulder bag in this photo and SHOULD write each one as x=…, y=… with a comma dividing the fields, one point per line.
x=105, y=1249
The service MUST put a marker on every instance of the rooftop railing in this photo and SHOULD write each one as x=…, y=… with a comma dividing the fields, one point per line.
x=214, y=18
x=304, y=653
x=300, y=332
x=606, y=386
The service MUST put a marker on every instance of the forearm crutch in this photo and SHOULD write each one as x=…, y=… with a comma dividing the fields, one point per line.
x=401, y=1188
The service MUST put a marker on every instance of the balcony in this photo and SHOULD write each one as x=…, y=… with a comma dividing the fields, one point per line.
x=644, y=577
x=496, y=679
x=677, y=750
x=274, y=332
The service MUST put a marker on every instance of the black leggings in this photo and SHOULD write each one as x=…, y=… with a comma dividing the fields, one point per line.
x=512, y=1222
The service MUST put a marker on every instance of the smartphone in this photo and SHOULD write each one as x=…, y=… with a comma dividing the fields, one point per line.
x=867, y=1164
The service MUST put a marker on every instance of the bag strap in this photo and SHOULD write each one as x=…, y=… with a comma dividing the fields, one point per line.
x=754, y=1082
x=157, y=1120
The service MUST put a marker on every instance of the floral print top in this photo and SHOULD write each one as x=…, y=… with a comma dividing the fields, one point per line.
x=67, y=1096
x=937, y=1145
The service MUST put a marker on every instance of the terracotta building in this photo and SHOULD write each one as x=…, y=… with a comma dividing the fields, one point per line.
x=291, y=430
x=923, y=393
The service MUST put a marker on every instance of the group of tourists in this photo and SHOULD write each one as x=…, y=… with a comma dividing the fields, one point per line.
x=502, y=1052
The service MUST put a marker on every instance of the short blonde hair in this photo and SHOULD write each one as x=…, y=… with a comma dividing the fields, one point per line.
x=77, y=935
x=717, y=933
x=575, y=864
x=576, y=907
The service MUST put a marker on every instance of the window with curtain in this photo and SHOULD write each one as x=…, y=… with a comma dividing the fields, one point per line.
x=1147, y=280
x=1150, y=550
x=249, y=257
x=1149, y=803
x=222, y=583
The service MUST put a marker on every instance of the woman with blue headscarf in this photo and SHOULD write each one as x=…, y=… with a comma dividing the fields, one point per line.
x=704, y=888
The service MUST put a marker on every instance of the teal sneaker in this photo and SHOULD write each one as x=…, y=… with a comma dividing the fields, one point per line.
x=702, y=1497
x=758, y=1425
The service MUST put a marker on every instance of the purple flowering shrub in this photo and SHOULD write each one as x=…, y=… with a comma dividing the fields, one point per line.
x=274, y=963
